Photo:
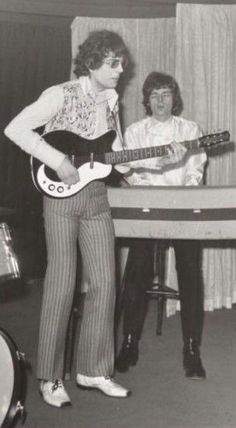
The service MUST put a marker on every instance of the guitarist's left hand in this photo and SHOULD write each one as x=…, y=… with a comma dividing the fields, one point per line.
x=176, y=152
x=67, y=172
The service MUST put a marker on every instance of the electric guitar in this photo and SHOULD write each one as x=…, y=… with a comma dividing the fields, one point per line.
x=94, y=158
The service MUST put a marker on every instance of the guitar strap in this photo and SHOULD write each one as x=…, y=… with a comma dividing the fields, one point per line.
x=117, y=128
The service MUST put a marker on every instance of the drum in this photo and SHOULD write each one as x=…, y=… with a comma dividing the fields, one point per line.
x=9, y=267
x=12, y=381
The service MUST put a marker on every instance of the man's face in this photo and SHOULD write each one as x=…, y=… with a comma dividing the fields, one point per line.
x=161, y=103
x=107, y=76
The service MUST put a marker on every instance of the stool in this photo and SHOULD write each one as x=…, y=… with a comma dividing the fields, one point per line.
x=159, y=290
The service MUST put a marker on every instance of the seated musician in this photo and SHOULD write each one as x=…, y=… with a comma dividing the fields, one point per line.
x=163, y=104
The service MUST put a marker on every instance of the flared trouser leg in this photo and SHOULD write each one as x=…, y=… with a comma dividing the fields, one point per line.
x=95, y=354
x=59, y=283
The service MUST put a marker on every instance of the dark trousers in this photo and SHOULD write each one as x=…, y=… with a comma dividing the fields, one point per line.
x=139, y=275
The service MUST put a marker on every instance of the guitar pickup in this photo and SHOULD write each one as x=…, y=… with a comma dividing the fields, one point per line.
x=91, y=164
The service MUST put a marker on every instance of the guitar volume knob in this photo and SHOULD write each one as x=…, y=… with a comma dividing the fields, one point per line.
x=60, y=189
x=51, y=187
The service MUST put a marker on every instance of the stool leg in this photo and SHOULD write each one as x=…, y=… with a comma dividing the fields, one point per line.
x=160, y=311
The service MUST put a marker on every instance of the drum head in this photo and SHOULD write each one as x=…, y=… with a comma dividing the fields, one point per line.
x=12, y=380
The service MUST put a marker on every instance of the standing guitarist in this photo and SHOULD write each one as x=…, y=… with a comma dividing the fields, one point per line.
x=87, y=106
x=163, y=105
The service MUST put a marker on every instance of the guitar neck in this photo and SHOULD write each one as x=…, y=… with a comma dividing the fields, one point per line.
x=124, y=156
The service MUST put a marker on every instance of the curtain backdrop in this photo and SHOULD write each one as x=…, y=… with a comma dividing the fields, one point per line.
x=34, y=54
x=198, y=48
x=152, y=46
x=205, y=70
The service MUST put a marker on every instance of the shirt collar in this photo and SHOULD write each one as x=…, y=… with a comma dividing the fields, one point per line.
x=109, y=95
x=154, y=125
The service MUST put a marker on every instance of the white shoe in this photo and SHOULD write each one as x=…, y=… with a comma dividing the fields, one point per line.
x=54, y=393
x=104, y=383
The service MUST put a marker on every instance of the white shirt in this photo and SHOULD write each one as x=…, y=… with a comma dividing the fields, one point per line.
x=150, y=132
x=21, y=129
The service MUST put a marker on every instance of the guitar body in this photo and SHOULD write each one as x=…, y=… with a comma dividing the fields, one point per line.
x=88, y=156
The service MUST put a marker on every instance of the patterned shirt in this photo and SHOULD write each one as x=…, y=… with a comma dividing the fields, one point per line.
x=71, y=106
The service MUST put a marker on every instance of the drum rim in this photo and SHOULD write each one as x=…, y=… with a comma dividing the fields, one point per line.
x=19, y=384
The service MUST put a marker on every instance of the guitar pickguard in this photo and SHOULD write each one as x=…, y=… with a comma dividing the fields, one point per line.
x=58, y=189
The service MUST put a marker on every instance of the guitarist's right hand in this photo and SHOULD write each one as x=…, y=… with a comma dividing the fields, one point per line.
x=67, y=172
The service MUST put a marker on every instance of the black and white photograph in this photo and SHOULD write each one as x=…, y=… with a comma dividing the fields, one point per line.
x=118, y=214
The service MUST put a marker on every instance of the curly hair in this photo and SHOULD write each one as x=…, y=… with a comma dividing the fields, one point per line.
x=95, y=48
x=156, y=80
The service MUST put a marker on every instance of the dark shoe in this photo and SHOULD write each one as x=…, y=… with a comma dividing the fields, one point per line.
x=192, y=361
x=128, y=355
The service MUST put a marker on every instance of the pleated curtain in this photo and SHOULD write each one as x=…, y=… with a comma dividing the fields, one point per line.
x=198, y=48
x=205, y=70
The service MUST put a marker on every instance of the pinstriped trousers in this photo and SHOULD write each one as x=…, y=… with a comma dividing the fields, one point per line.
x=85, y=218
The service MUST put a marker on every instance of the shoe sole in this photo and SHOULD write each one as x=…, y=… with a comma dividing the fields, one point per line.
x=196, y=377
x=94, y=388
x=65, y=404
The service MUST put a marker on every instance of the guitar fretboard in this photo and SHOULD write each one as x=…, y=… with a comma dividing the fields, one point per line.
x=124, y=156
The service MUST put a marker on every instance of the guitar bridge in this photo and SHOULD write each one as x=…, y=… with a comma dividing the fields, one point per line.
x=72, y=159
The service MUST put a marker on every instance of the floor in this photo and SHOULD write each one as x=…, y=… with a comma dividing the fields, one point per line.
x=161, y=396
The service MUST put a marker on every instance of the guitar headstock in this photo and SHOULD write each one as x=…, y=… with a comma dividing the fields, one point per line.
x=212, y=139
